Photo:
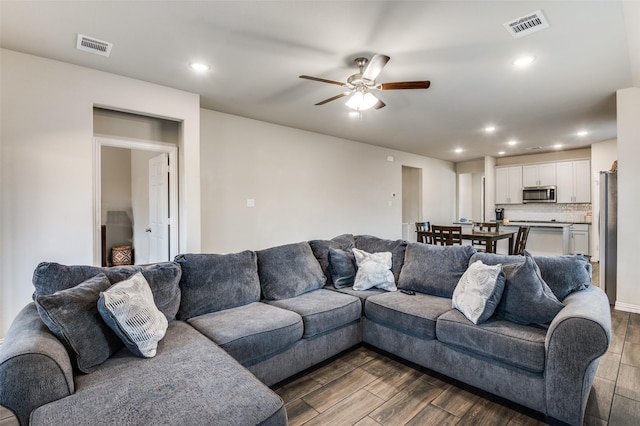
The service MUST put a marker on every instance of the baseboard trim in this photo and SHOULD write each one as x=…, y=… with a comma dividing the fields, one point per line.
x=627, y=307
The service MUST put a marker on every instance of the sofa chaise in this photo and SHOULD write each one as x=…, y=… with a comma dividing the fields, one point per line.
x=235, y=324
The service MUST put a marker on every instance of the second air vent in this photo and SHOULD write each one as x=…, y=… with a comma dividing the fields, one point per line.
x=93, y=45
x=528, y=24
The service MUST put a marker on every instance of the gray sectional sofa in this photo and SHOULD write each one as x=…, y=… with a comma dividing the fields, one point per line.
x=238, y=323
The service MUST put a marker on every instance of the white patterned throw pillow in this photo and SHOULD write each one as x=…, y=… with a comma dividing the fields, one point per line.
x=374, y=270
x=129, y=310
x=479, y=291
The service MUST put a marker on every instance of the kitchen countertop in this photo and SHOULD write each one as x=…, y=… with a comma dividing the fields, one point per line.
x=533, y=223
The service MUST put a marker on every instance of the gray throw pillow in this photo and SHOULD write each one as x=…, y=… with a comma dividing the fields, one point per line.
x=213, y=282
x=372, y=244
x=434, y=269
x=163, y=278
x=479, y=291
x=288, y=271
x=527, y=299
x=563, y=274
x=342, y=266
x=321, y=248
x=374, y=271
x=72, y=316
x=128, y=309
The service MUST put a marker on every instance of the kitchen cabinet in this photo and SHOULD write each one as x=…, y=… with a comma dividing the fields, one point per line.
x=579, y=240
x=509, y=185
x=539, y=174
x=573, y=181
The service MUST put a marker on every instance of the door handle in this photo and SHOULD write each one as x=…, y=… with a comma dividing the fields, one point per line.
x=147, y=230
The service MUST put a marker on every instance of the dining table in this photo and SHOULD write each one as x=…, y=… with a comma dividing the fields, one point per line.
x=487, y=237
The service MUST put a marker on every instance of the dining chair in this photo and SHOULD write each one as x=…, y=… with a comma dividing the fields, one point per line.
x=423, y=227
x=521, y=240
x=484, y=227
x=446, y=235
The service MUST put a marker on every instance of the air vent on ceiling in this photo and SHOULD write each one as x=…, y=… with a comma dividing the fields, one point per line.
x=534, y=148
x=528, y=24
x=93, y=45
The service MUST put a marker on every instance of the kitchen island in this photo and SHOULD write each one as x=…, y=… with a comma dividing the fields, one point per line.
x=546, y=238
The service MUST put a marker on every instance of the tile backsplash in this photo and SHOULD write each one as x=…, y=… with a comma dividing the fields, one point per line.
x=547, y=212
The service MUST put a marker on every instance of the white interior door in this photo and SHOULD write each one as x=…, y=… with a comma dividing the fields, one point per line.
x=159, y=220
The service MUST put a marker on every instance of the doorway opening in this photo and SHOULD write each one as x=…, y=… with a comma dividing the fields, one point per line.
x=136, y=201
x=411, y=201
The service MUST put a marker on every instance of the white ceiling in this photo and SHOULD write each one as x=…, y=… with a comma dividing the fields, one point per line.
x=257, y=50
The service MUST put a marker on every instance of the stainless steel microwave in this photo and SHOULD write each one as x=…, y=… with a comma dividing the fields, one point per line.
x=539, y=194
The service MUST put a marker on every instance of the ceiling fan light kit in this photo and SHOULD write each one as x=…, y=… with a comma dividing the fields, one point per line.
x=361, y=84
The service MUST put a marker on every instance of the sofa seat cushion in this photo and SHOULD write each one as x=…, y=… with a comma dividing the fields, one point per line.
x=361, y=294
x=322, y=310
x=415, y=315
x=190, y=381
x=251, y=332
x=519, y=345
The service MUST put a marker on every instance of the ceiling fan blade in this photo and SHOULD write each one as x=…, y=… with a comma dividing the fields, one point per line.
x=331, y=99
x=403, y=85
x=374, y=67
x=323, y=80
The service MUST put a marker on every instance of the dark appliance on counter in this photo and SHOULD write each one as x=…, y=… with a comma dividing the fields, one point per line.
x=499, y=213
x=539, y=194
x=608, y=229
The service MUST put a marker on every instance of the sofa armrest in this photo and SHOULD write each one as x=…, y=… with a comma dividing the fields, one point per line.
x=577, y=337
x=35, y=368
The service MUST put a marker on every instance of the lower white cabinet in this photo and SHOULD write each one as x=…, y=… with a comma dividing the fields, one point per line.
x=579, y=239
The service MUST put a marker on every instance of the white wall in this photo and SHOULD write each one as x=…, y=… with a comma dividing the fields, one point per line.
x=305, y=185
x=603, y=154
x=47, y=164
x=628, y=117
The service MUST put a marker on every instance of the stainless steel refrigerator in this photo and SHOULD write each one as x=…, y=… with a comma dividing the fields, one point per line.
x=608, y=229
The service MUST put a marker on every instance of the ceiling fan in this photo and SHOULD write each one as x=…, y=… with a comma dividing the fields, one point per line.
x=362, y=84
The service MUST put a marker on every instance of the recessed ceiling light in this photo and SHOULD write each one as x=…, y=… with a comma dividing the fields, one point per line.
x=512, y=142
x=490, y=129
x=459, y=150
x=557, y=146
x=501, y=153
x=582, y=133
x=524, y=61
x=199, y=66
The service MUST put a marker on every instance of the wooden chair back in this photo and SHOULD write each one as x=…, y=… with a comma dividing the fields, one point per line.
x=486, y=226
x=446, y=235
x=521, y=240
x=423, y=227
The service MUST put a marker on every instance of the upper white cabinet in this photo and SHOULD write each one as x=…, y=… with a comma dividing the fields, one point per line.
x=509, y=185
x=539, y=174
x=573, y=181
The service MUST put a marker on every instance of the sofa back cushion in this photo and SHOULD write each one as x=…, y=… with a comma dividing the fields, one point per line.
x=372, y=244
x=288, y=271
x=434, y=269
x=163, y=279
x=321, y=248
x=563, y=274
x=213, y=282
